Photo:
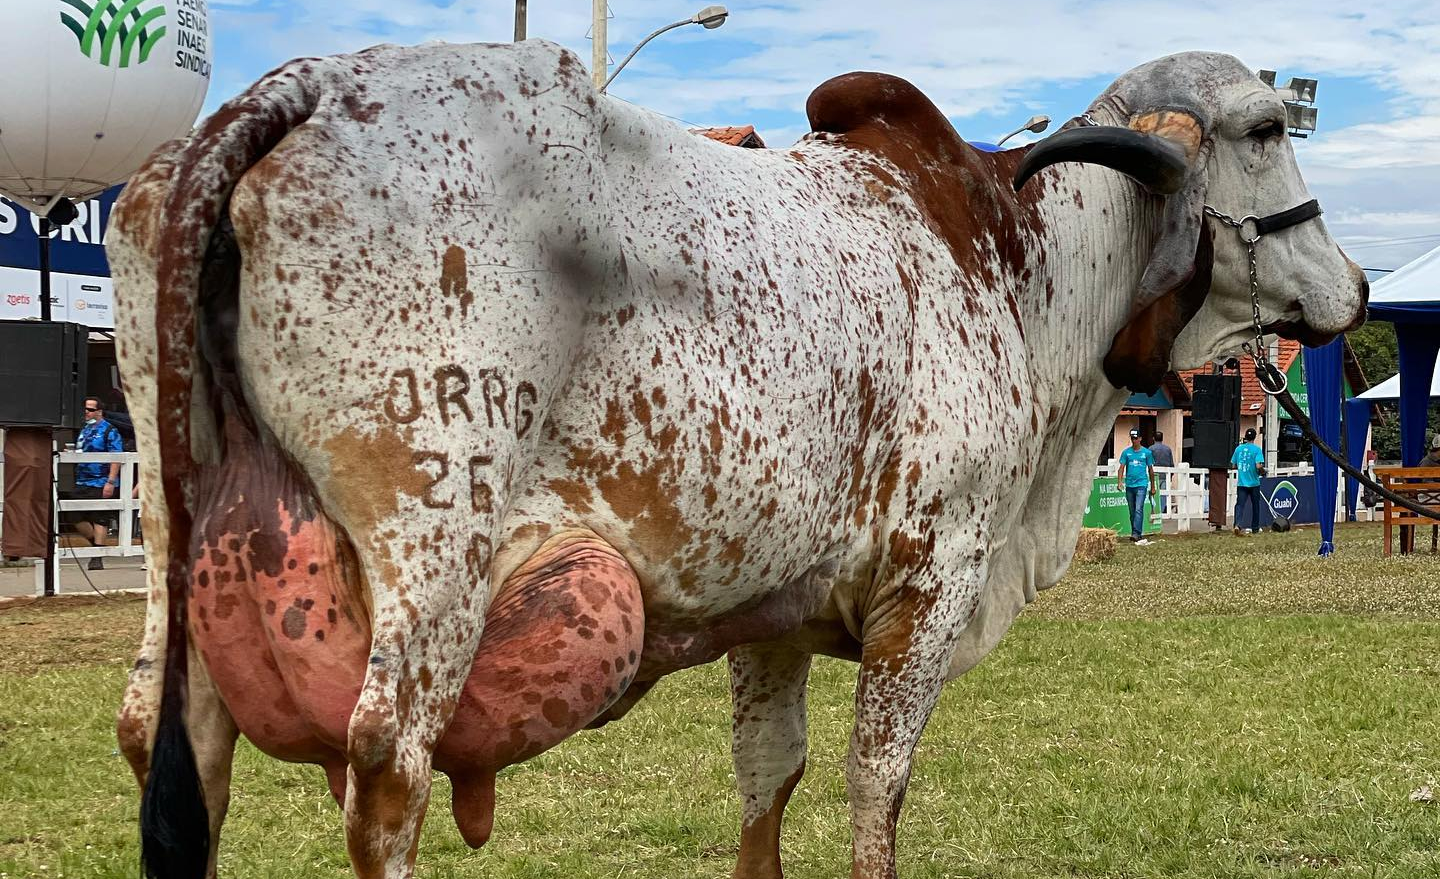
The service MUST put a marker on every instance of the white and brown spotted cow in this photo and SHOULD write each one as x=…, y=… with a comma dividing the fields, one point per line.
x=472, y=402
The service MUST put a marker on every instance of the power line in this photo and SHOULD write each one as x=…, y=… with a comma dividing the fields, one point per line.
x=1386, y=242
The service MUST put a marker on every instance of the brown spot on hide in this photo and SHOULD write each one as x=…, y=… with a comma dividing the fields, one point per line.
x=454, y=279
x=293, y=623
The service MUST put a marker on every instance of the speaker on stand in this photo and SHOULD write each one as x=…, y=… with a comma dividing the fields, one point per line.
x=1215, y=421
x=43, y=366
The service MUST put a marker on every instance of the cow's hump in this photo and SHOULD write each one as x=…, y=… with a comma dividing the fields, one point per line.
x=879, y=102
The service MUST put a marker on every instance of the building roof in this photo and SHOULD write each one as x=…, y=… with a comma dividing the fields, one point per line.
x=1175, y=390
x=734, y=135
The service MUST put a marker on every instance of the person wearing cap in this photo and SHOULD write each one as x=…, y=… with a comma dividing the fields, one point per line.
x=1249, y=463
x=1433, y=458
x=1137, y=477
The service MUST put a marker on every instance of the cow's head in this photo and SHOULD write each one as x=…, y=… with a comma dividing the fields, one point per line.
x=1200, y=128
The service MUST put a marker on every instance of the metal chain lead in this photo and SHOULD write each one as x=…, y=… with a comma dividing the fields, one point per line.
x=1271, y=382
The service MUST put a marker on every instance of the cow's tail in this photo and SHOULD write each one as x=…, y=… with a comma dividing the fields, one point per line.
x=174, y=825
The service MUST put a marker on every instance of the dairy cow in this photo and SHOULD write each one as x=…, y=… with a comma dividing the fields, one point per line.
x=472, y=402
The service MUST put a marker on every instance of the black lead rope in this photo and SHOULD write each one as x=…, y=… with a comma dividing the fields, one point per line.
x=1298, y=415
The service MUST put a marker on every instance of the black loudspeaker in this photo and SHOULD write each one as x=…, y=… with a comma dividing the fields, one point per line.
x=1216, y=398
x=43, y=367
x=1215, y=442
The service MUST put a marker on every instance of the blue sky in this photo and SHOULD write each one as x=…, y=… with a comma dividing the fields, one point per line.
x=1374, y=164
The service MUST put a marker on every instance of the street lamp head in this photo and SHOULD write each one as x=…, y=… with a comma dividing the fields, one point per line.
x=1036, y=124
x=711, y=17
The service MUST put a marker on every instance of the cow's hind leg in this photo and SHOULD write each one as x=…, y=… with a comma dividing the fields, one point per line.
x=427, y=621
x=212, y=734
x=767, y=686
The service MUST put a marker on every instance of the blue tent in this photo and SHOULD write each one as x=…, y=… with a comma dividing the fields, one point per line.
x=1409, y=298
x=1357, y=422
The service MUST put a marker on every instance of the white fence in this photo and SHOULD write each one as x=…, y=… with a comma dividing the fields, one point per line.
x=1184, y=497
x=121, y=541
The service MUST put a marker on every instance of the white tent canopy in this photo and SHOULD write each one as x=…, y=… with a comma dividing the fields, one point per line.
x=1416, y=281
x=1389, y=389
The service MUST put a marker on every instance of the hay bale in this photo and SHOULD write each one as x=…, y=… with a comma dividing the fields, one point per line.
x=1095, y=545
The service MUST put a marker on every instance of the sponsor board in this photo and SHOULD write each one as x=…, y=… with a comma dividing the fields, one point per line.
x=1107, y=508
x=1287, y=497
x=81, y=299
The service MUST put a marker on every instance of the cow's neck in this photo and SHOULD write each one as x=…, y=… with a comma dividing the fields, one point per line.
x=1098, y=231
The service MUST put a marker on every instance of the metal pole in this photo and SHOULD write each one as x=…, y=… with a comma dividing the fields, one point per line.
x=520, y=11
x=44, y=267
x=599, y=50
x=50, y=561
x=1272, y=419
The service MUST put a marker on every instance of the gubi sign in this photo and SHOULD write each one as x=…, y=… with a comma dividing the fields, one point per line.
x=1290, y=497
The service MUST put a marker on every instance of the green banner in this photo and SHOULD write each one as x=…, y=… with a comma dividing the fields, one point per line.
x=1295, y=384
x=1107, y=508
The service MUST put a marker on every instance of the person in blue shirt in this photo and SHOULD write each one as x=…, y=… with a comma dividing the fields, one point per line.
x=1137, y=476
x=95, y=481
x=1249, y=463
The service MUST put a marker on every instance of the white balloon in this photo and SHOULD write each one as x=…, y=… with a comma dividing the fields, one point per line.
x=92, y=87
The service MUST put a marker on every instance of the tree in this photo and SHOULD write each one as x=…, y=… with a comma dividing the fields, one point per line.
x=1376, y=350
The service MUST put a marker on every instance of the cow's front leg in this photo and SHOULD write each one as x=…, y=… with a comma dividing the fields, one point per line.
x=767, y=685
x=908, y=639
x=428, y=616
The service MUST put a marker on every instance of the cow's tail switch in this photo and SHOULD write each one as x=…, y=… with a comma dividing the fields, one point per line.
x=174, y=826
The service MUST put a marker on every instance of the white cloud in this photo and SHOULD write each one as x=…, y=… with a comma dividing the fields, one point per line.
x=1379, y=179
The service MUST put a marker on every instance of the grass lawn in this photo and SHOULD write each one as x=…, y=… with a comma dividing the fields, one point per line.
x=1205, y=707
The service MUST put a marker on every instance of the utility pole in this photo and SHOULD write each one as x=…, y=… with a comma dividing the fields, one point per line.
x=600, y=53
x=1272, y=418
x=520, y=11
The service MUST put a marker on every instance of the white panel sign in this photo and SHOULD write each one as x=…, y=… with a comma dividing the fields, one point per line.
x=81, y=299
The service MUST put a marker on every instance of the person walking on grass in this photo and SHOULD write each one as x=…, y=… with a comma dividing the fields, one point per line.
x=1249, y=463
x=1137, y=477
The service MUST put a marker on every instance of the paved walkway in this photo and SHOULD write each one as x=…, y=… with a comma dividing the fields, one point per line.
x=119, y=573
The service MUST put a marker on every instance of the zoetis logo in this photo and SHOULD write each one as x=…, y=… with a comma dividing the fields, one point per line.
x=1284, y=499
x=115, y=32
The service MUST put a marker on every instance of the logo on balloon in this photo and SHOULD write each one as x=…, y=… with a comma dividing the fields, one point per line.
x=115, y=32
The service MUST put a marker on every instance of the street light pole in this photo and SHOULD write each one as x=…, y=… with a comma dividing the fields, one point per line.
x=710, y=18
x=599, y=51
x=520, y=12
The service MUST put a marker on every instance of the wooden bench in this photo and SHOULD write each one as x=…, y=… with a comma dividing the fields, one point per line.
x=1420, y=484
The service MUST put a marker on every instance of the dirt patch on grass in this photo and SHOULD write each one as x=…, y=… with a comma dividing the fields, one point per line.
x=37, y=634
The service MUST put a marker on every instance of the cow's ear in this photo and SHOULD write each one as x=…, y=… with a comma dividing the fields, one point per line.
x=1139, y=355
x=1177, y=277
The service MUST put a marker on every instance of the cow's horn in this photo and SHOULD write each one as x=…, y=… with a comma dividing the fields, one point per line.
x=1156, y=163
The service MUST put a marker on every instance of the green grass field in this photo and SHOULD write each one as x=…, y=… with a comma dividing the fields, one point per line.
x=1206, y=707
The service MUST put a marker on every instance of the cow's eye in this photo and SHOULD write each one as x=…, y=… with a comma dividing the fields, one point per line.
x=1266, y=131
